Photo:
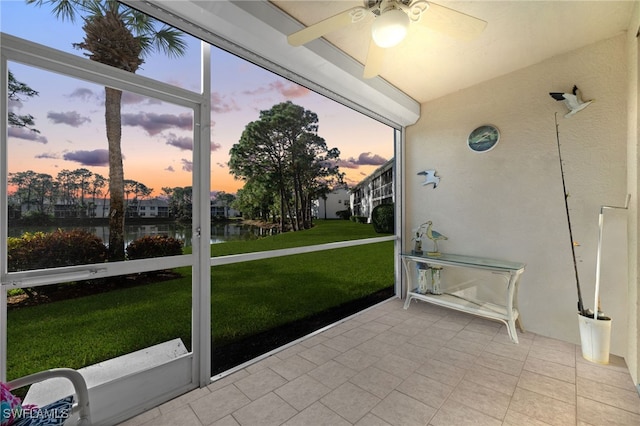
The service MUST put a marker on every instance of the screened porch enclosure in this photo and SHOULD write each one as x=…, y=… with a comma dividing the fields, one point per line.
x=154, y=324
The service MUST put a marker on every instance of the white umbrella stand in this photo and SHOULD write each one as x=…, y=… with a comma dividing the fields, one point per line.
x=595, y=333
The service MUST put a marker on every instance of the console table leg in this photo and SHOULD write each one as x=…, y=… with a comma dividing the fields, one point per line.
x=511, y=327
x=407, y=302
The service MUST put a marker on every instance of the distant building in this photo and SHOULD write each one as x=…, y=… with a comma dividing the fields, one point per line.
x=328, y=206
x=61, y=209
x=99, y=208
x=220, y=210
x=375, y=189
x=155, y=207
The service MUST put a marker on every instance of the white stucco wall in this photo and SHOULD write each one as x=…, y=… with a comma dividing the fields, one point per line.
x=508, y=203
x=633, y=138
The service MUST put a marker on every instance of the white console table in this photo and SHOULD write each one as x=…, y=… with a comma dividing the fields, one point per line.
x=511, y=271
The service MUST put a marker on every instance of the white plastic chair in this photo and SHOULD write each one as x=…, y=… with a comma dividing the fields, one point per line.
x=81, y=405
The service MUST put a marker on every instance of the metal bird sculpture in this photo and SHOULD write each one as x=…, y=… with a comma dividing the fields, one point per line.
x=430, y=178
x=572, y=100
x=434, y=236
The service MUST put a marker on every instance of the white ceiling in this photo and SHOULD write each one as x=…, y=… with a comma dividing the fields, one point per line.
x=428, y=64
x=425, y=66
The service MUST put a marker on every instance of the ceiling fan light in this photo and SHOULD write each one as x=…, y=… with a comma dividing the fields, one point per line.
x=390, y=28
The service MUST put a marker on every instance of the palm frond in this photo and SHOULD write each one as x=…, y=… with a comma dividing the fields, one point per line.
x=97, y=7
x=166, y=40
x=139, y=22
x=170, y=42
x=62, y=9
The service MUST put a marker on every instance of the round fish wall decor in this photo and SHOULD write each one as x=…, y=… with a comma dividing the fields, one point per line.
x=483, y=138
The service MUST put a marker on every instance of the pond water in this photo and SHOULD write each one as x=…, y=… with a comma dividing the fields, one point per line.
x=220, y=232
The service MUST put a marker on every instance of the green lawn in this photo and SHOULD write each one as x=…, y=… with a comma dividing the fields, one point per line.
x=246, y=298
x=271, y=292
x=324, y=231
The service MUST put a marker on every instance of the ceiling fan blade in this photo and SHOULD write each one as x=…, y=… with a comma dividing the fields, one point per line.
x=328, y=25
x=451, y=22
x=375, y=59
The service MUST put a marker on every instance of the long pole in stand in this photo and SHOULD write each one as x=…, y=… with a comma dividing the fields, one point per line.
x=566, y=205
x=596, y=303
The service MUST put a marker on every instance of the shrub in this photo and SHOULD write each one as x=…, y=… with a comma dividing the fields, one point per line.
x=41, y=250
x=59, y=248
x=382, y=218
x=154, y=246
x=359, y=219
x=344, y=214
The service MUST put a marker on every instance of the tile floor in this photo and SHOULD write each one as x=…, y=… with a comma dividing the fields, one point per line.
x=421, y=366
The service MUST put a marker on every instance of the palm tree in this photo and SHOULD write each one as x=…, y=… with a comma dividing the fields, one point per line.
x=119, y=36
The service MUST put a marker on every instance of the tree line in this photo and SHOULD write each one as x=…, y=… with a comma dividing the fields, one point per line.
x=80, y=188
x=285, y=166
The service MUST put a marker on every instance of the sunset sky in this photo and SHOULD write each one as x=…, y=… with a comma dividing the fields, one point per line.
x=157, y=137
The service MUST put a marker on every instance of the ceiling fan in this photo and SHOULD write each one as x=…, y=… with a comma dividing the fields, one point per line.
x=392, y=19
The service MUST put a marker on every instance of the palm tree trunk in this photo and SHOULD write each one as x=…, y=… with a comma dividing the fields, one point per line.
x=116, y=174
